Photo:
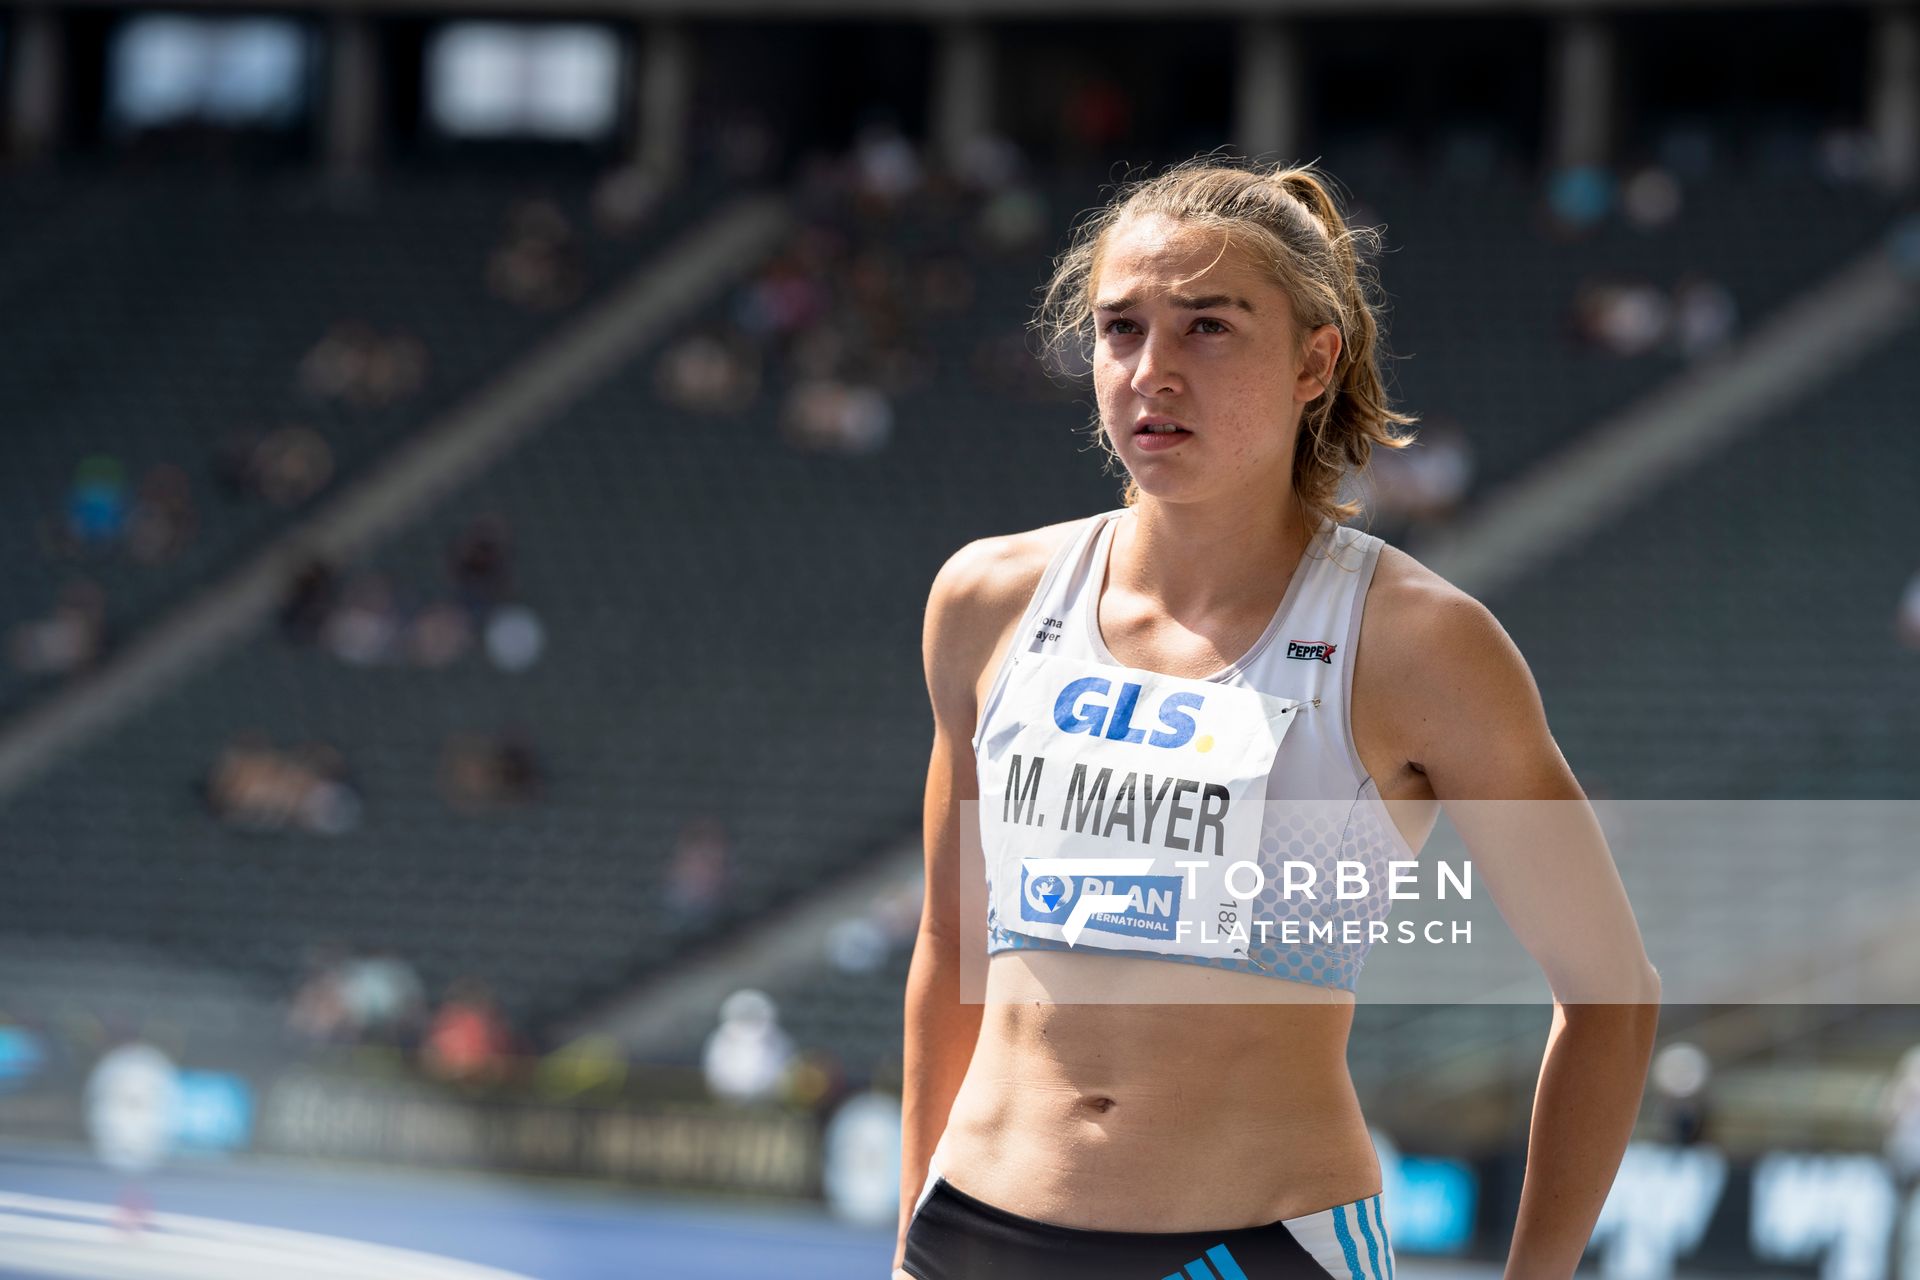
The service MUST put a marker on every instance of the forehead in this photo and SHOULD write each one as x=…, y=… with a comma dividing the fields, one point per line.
x=1153, y=254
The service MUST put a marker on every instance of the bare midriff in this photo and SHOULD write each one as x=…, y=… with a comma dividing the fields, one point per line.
x=1168, y=1116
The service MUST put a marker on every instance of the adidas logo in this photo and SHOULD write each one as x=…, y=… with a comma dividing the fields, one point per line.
x=1224, y=1267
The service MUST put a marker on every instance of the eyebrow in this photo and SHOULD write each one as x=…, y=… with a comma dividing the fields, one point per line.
x=1185, y=302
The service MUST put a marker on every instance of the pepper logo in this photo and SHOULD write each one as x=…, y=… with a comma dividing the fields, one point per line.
x=1080, y=709
x=1311, y=650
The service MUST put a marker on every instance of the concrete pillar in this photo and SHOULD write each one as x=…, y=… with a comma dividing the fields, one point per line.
x=1582, y=84
x=35, y=83
x=962, y=107
x=665, y=99
x=352, y=140
x=1267, y=90
x=1895, y=90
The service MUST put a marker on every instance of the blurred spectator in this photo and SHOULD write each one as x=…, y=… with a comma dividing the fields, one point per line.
x=290, y=465
x=1013, y=220
x=365, y=628
x=624, y=198
x=1847, y=155
x=1907, y=617
x=697, y=874
x=1625, y=318
x=988, y=162
x=318, y=1011
x=253, y=787
x=897, y=911
x=746, y=1057
x=1651, y=198
x=827, y=416
x=708, y=374
x=355, y=363
x=1704, y=316
x=1900, y=1112
x=480, y=564
x=385, y=1000
x=66, y=640
x=515, y=638
x=1680, y=1073
x=285, y=467
x=1579, y=198
x=885, y=165
x=483, y=772
x=1097, y=115
x=438, y=635
x=309, y=602
x=858, y=945
x=97, y=502
x=786, y=296
x=163, y=519
x=537, y=264
x=468, y=1039
x=1423, y=483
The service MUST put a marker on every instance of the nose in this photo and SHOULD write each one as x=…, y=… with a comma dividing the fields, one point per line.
x=1155, y=375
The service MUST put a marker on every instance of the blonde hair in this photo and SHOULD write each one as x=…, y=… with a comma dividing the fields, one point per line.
x=1291, y=225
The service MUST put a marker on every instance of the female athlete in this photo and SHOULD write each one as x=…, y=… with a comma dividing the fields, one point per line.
x=1203, y=1123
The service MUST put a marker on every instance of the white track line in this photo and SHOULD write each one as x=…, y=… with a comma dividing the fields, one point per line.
x=77, y=1238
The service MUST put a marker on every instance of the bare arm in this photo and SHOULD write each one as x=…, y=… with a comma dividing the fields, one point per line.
x=940, y=1030
x=1474, y=723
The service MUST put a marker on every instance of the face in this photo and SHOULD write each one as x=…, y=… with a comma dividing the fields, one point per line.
x=1188, y=335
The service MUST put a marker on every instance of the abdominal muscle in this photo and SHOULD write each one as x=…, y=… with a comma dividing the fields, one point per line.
x=1174, y=1116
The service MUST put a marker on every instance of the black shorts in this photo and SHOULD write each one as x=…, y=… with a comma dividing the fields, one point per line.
x=954, y=1236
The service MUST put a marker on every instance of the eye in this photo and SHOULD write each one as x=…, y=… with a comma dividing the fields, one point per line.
x=1218, y=326
x=1111, y=328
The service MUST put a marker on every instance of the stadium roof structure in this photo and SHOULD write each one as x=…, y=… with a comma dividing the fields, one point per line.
x=993, y=9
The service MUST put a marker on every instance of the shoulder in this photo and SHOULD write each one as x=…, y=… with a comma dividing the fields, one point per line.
x=1451, y=679
x=976, y=597
x=1410, y=609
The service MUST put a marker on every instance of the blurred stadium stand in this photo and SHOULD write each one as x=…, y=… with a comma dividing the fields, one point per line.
x=159, y=278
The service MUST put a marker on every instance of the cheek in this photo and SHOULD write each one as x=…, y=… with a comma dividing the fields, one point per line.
x=1110, y=379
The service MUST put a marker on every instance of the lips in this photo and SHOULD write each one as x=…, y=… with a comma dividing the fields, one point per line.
x=1155, y=426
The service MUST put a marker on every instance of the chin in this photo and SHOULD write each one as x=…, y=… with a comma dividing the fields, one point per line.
x=1161, y=485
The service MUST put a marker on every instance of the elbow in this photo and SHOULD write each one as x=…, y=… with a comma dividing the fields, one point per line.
x=1635, y=991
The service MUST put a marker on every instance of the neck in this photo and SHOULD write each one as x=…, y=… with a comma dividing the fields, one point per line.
x=1208, y=558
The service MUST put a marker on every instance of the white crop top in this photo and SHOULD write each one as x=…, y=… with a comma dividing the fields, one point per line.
x=1171, y=782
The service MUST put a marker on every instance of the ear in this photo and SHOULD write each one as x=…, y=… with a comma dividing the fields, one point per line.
x=1318, y=361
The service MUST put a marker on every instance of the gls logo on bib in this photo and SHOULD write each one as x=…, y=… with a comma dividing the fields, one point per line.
x=1075, y=711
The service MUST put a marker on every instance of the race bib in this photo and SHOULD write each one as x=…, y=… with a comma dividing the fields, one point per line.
x=1114, y=805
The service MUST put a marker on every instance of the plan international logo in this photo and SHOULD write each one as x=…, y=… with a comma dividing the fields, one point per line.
x=1112, y=895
